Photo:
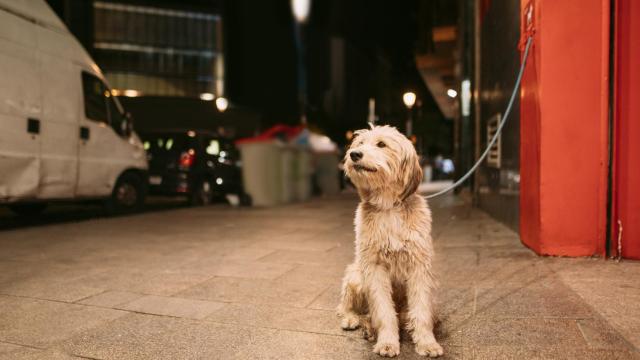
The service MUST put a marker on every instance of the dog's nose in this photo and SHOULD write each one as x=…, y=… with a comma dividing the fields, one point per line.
x=355, y=155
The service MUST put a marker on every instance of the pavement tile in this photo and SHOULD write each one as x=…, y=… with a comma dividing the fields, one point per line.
x=493, y=272
x=249, y=253
x=292, y=242
x=600, y=335
x=546, y=353
x=328, y=299
x=110, y=298
x=264, y=284
x=17, y=352
x=226, y=289
x=146, y=282
x=171, y=306
x=330, y=274
x=550, y=298
x=242, y=269
x=58, y=291
x=306, y=257
x=281, y=317
x=455, y=302
x=40, y=323
x=524, y=332
x=139, y=336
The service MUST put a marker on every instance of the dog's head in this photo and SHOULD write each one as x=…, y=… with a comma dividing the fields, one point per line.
x=382, y=160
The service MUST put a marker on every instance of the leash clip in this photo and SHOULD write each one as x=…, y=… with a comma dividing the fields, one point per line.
x=527, y=28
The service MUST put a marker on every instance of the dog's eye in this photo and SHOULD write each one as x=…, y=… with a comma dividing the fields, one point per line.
x=381, y=144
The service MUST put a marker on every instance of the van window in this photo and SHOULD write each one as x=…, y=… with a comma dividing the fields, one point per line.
x=117, y=119
x=94, y=91
x=100, y=105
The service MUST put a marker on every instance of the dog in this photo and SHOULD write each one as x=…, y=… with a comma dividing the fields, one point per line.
x=391, y=282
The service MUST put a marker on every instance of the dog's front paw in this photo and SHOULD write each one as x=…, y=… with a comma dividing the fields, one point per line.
x=350, y=322
x=388, y=349
x=432, y=349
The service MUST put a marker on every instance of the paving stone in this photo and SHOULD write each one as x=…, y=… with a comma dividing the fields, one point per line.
x=58, y=291
x=17, y=352
x=601, y=335
x=40, y=323
x=282, y=317
x=548, y=352
x=264, y=284
x=171, y=306
x=146, y=282
x=139, y=336
x=249, y=253
x=523, y=332
x=330, y=274
x=242, y=269
x=110, y=298
x=550, y=298
x=306, y=257
x=253, y=291
x=328, y=299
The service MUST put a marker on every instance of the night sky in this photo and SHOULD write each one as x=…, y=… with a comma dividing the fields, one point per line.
x=380, y=39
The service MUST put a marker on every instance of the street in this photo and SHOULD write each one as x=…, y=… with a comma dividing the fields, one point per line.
x=250, y=283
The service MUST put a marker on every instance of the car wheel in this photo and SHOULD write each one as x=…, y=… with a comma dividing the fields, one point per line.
x=29, y=209
x=202, y=194
x=127, y=196
x=245, y=199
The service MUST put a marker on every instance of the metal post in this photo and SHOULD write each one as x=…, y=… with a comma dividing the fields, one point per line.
x=410, y=123
x=302, y=80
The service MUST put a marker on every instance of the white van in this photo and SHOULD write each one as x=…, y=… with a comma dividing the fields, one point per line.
x=63, y=136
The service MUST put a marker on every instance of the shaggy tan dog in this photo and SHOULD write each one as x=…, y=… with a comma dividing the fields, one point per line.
x=392, y=272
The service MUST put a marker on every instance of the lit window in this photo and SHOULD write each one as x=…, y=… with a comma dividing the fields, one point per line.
x=169, y=144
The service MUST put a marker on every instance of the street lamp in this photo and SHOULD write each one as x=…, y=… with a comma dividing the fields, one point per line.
x=301, y=9
x=222, y=104
x=409, y=99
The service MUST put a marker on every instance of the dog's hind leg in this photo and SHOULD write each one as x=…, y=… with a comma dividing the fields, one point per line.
x=368, y=332
x=351, y=298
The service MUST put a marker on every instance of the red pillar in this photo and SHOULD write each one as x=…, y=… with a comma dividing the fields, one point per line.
x=626, y=183
x=564, y=136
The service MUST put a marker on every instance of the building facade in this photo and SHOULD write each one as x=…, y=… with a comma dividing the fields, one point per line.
x=158, y=48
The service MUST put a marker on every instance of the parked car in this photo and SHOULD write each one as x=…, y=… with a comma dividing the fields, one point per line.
x=63, y=136
x=200, y=165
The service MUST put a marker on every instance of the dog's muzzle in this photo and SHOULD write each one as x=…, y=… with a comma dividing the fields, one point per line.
x=358, y=167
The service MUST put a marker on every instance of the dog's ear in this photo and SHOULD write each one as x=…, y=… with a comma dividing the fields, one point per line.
x=411, y=175
x=358, y=133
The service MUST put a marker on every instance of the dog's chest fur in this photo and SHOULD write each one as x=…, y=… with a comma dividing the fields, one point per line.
x=394, y=237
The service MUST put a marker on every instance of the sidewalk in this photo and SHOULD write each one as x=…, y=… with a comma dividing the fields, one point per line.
x=222, y=283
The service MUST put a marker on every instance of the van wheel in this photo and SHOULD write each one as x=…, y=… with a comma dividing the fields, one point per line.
x=202, y=194
x=31, y=209
x=127, y=196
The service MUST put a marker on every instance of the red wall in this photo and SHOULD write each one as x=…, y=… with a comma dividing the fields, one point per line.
x=626, y=190
x=564, y=134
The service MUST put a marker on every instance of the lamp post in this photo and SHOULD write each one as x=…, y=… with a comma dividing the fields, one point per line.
x=409, y=99
x=301, y=9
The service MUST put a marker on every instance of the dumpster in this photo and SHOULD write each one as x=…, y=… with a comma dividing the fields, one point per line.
x=276, y=166
x=262, y=171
